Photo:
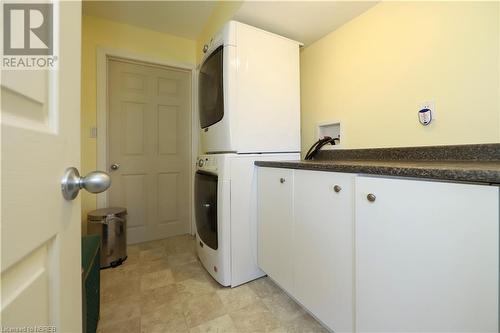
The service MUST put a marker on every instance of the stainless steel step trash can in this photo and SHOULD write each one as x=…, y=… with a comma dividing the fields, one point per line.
x=111, y=225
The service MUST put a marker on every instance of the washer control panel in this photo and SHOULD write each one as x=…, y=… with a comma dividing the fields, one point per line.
x=206, y=162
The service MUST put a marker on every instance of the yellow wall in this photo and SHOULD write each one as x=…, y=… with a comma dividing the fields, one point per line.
x=98, y=32
x=372, y=73
x=223, y=12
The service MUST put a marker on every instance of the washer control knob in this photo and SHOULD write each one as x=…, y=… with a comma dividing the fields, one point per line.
x=201, y=162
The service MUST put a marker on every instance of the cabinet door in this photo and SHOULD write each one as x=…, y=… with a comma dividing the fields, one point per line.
x=275, y=224
x=426, y=256
x=323, y=248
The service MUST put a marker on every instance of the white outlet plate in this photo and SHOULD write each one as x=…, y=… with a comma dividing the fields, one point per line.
x=429, y=105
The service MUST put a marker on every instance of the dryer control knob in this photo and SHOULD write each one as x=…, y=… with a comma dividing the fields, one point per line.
x=201, y=163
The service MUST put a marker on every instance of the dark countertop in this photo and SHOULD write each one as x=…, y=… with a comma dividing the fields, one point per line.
x=466, y=170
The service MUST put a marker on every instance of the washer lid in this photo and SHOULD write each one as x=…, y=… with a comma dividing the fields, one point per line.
x=102, y=213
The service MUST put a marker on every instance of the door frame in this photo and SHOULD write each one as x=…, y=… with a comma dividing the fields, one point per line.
x=103, y=57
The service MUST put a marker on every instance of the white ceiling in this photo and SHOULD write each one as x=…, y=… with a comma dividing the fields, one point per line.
x=303, y=21
x=180, y=18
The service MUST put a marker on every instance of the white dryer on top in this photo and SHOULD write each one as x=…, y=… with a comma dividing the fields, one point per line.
x=249, y=92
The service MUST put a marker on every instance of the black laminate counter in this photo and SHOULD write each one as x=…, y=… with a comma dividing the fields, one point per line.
x=467, y=163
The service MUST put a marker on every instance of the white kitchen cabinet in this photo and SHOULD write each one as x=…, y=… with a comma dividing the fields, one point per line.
x=275, y=224
x=426, y=256
x=323, y=246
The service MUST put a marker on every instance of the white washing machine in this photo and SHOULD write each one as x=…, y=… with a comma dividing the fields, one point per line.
x=226, y=215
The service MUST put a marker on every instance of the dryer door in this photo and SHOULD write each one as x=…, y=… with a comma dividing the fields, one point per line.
x=211, y=89
x=206, y=207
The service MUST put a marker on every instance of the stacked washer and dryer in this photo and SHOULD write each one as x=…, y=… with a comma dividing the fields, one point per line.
x=249, y=109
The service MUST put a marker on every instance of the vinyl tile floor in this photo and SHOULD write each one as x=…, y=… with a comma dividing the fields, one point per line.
x=162, y=287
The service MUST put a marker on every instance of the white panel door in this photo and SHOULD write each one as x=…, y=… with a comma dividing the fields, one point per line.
x=426, y=256
x=40, y=136
x=275, y=224
x=323, y=247
x=150, y=140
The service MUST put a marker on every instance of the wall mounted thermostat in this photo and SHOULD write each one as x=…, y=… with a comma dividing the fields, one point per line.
x=425, y=116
